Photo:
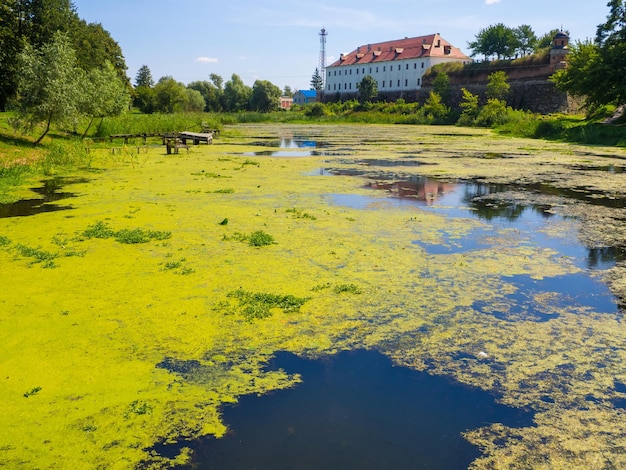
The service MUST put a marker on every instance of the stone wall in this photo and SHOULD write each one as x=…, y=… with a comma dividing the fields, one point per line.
x=530, y=90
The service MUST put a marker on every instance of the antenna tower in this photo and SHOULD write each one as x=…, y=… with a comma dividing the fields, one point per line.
x=322, y=65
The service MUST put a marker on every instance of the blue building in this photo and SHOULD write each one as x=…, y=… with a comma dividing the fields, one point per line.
x=305, y=97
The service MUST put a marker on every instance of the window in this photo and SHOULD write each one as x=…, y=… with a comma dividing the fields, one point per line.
x=370, y=69
x=418, y=82
x=398, y=82
x=415, y=65
x=407, y=66
x=351, y=85
x=383, y=83
x=357, y=71
x=376, y=69
x=350, y=71
x=335, y=73
x=364, y=70
x=329, y=73
x=422, y=64
x=384, y=68
x=340, y=73
x=329, y=87
x=406, y=82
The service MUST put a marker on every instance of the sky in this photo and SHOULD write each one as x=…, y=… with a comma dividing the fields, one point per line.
x=279, y=40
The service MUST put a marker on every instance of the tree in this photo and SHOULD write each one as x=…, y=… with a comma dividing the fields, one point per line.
x=95, y=47
x=441, y=86
x=287, y=91
x=526, y=39
x=497, y=85
x=169, y=95
x=470, y=108
x=265, y=96
x=144, y=77
x=104, y=94
x=545, y=41
x=236, y=94
x=434, y=110
x=58, y=97
x=368, y=89
x=596, y=70
x=195, y=102
x=498, y=40
x=317, y=81
x=210, y=93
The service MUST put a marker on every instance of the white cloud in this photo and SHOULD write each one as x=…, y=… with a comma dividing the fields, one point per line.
x=492, y=2
x=207, y=60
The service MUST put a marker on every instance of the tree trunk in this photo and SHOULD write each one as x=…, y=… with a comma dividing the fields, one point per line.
x=46, y=131
x=87, y=130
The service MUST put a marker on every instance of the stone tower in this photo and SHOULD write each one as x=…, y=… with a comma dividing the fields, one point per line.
x=559, y=50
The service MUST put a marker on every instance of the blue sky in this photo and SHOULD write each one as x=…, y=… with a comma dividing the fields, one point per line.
x=278, y=40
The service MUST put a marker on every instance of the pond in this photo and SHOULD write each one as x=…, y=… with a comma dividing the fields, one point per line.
x=418, y=297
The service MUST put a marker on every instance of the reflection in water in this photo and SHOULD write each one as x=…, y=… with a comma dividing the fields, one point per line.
x=354, y=410
x=50, y=192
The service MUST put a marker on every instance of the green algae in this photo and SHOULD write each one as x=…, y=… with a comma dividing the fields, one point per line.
x=125, y=355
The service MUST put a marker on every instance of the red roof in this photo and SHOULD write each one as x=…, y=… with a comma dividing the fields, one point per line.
x=432, y=45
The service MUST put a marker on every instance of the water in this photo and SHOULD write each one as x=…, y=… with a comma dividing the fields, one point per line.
x=354, y=410
x=50, y=190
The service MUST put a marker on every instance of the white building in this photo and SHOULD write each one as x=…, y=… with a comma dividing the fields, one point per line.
x=397, y=66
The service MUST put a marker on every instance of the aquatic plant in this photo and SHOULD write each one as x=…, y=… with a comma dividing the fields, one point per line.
x=258, y=238
x=128, y=236
x=32, y=391
x=258, y=305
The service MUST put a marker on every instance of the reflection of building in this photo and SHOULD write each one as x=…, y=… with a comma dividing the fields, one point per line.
x=305, y=97
x=397, y=66
x=559, y=50
x=420, y=188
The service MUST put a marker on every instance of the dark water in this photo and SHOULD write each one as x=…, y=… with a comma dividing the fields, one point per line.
x=50, y=190
x=354, y=410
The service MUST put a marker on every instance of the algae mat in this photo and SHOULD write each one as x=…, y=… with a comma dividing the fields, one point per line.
x=130, y=319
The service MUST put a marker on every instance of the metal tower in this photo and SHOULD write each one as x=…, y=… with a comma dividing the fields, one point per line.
x=322, y=65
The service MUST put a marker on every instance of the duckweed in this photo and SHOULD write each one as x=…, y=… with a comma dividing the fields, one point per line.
x=146, y=358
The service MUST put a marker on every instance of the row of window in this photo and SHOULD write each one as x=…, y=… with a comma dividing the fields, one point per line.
x=349, y=71
x=348, y=86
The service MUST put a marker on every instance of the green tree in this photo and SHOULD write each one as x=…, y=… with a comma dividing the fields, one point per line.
x=145, y=99
x=210, y=93
x=11, y=44
x=497, y=85
x=434, y=110
x=195, y=102
x=526, y=39
x=317, y=81
x=57, y=98
x=545, y=41
x=95, y=47
x=144, y=77
x=596, y=70
x=368, y=89
x=498, y=40
x=287, y=91
x=236, y=94
x=469, y=107
x=441, y=86
x=169, y=95
x=104, y=94
x=265, y=96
